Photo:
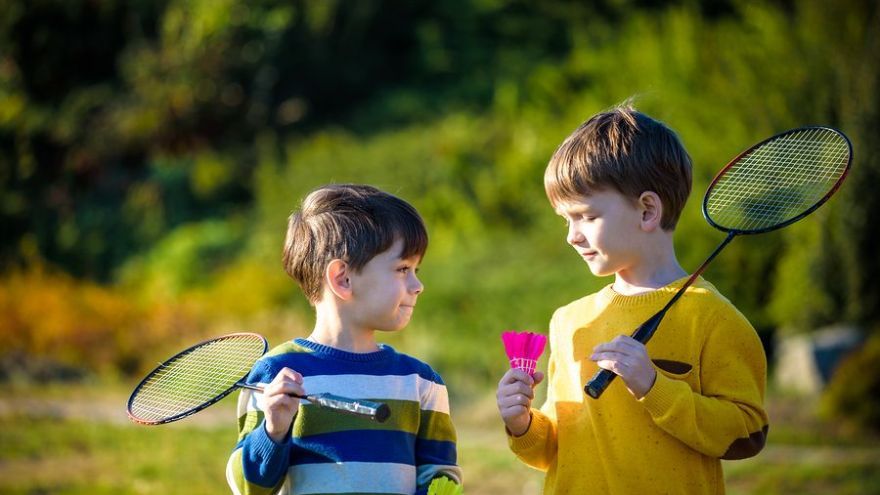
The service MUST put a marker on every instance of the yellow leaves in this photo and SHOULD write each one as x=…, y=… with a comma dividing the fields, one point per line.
x=52, y=316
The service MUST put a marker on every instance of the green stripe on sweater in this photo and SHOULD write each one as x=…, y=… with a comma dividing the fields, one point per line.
x=431, y=425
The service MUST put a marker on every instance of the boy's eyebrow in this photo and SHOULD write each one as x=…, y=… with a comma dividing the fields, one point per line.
x=573, y=209
x=415, y=257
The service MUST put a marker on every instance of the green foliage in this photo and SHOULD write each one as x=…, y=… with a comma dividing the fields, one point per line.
x=186, y=258
x=162, y=145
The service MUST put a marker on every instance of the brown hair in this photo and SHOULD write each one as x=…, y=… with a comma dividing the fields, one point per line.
x=350, y=222
x=628, y=151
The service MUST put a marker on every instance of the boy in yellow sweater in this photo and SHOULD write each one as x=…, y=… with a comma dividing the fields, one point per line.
x=690, y=397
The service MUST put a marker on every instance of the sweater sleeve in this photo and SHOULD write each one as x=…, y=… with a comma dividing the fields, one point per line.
x=436, y=453
x=538, y=445
x=726, y=418
x=258, y=464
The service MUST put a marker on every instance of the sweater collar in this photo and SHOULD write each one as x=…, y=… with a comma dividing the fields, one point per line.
x=662, y=294
x=325, y=351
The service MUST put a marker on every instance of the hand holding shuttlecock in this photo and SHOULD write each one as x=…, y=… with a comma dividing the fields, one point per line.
x=444, y=486
x=524, y=349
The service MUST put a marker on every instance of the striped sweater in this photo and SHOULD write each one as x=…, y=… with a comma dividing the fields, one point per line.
x=329, y=452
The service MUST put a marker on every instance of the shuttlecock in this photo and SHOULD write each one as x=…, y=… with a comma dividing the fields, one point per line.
x=524, y=349
x=444, y=486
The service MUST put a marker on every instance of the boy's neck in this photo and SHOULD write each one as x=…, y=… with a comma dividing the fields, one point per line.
x=658, y=268
x=331, y=330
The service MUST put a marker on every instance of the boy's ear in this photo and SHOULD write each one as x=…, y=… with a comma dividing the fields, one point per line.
x=336, y=278
x=651, y=209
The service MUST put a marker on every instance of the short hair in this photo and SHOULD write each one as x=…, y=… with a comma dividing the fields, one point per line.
x=626, y=150
x=350, y=222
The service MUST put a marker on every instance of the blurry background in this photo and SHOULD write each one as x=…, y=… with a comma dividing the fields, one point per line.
x=151, y=151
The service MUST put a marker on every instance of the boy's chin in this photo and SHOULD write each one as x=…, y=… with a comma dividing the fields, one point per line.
x=599, y=271
x=394, y=327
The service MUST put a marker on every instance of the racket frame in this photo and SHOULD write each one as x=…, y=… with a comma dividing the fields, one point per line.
x=721, y=173
x=164, y=364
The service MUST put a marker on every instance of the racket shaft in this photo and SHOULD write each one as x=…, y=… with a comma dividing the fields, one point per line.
x=358, y=407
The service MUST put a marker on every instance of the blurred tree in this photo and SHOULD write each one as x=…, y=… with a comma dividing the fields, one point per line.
x=120, y=120
x=829, y=272
x=148, y=141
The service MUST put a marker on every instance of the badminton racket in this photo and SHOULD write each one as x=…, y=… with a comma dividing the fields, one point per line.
x=198, y=377
x=769, y=186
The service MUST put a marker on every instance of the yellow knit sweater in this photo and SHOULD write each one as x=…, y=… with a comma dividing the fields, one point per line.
x=706, y=404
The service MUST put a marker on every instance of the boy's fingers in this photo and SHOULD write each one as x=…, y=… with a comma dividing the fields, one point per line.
x=538, y=377
x=286, y=382
x=285, y=388
x=515, y=388
x=621, y=343
x=287, y=373
x=515, y=405
x=514, y=375
x=616, y=367
x=608, y=355
x=514, y=400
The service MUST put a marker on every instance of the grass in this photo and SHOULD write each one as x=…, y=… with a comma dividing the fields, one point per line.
x=78, y=441
x=47, y=455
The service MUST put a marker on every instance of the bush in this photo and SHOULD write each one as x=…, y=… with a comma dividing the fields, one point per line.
x=853, y=397
x=66, y=324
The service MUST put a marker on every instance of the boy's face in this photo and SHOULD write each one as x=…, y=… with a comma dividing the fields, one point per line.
x=385, y=290
x=603, y=228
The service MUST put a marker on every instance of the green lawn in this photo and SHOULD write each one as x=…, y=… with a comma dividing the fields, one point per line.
x=79, y=442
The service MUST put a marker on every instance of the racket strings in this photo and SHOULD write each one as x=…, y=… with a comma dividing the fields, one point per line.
x=779, y=180
x=195, y=378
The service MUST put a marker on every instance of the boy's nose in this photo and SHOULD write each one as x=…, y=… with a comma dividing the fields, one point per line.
x=416, y=286
x=574, y=236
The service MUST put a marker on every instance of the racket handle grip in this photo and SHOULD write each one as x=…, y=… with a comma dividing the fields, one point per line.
x=599, y=383
x=643, y=334
x=376, y=411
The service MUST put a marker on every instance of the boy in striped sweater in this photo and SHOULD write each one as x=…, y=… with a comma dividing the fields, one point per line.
x=355, y=251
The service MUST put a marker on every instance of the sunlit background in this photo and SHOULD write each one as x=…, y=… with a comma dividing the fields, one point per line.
x=151, y=151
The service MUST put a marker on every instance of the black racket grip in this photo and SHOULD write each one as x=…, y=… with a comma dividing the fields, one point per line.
x=599, y=383
x=603, y=377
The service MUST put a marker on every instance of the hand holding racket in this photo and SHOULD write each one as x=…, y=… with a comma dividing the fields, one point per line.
x=200, y=376
x=769, y=186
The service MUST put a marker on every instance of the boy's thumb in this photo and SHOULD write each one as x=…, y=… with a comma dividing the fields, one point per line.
x=538, y=377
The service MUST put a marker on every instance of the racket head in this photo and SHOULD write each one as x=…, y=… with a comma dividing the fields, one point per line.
x=195, y=378
x=778, y=181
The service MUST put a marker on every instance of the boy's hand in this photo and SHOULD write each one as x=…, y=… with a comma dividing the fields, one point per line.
x=627, y=357
x=280, y=407
x=515, y=393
